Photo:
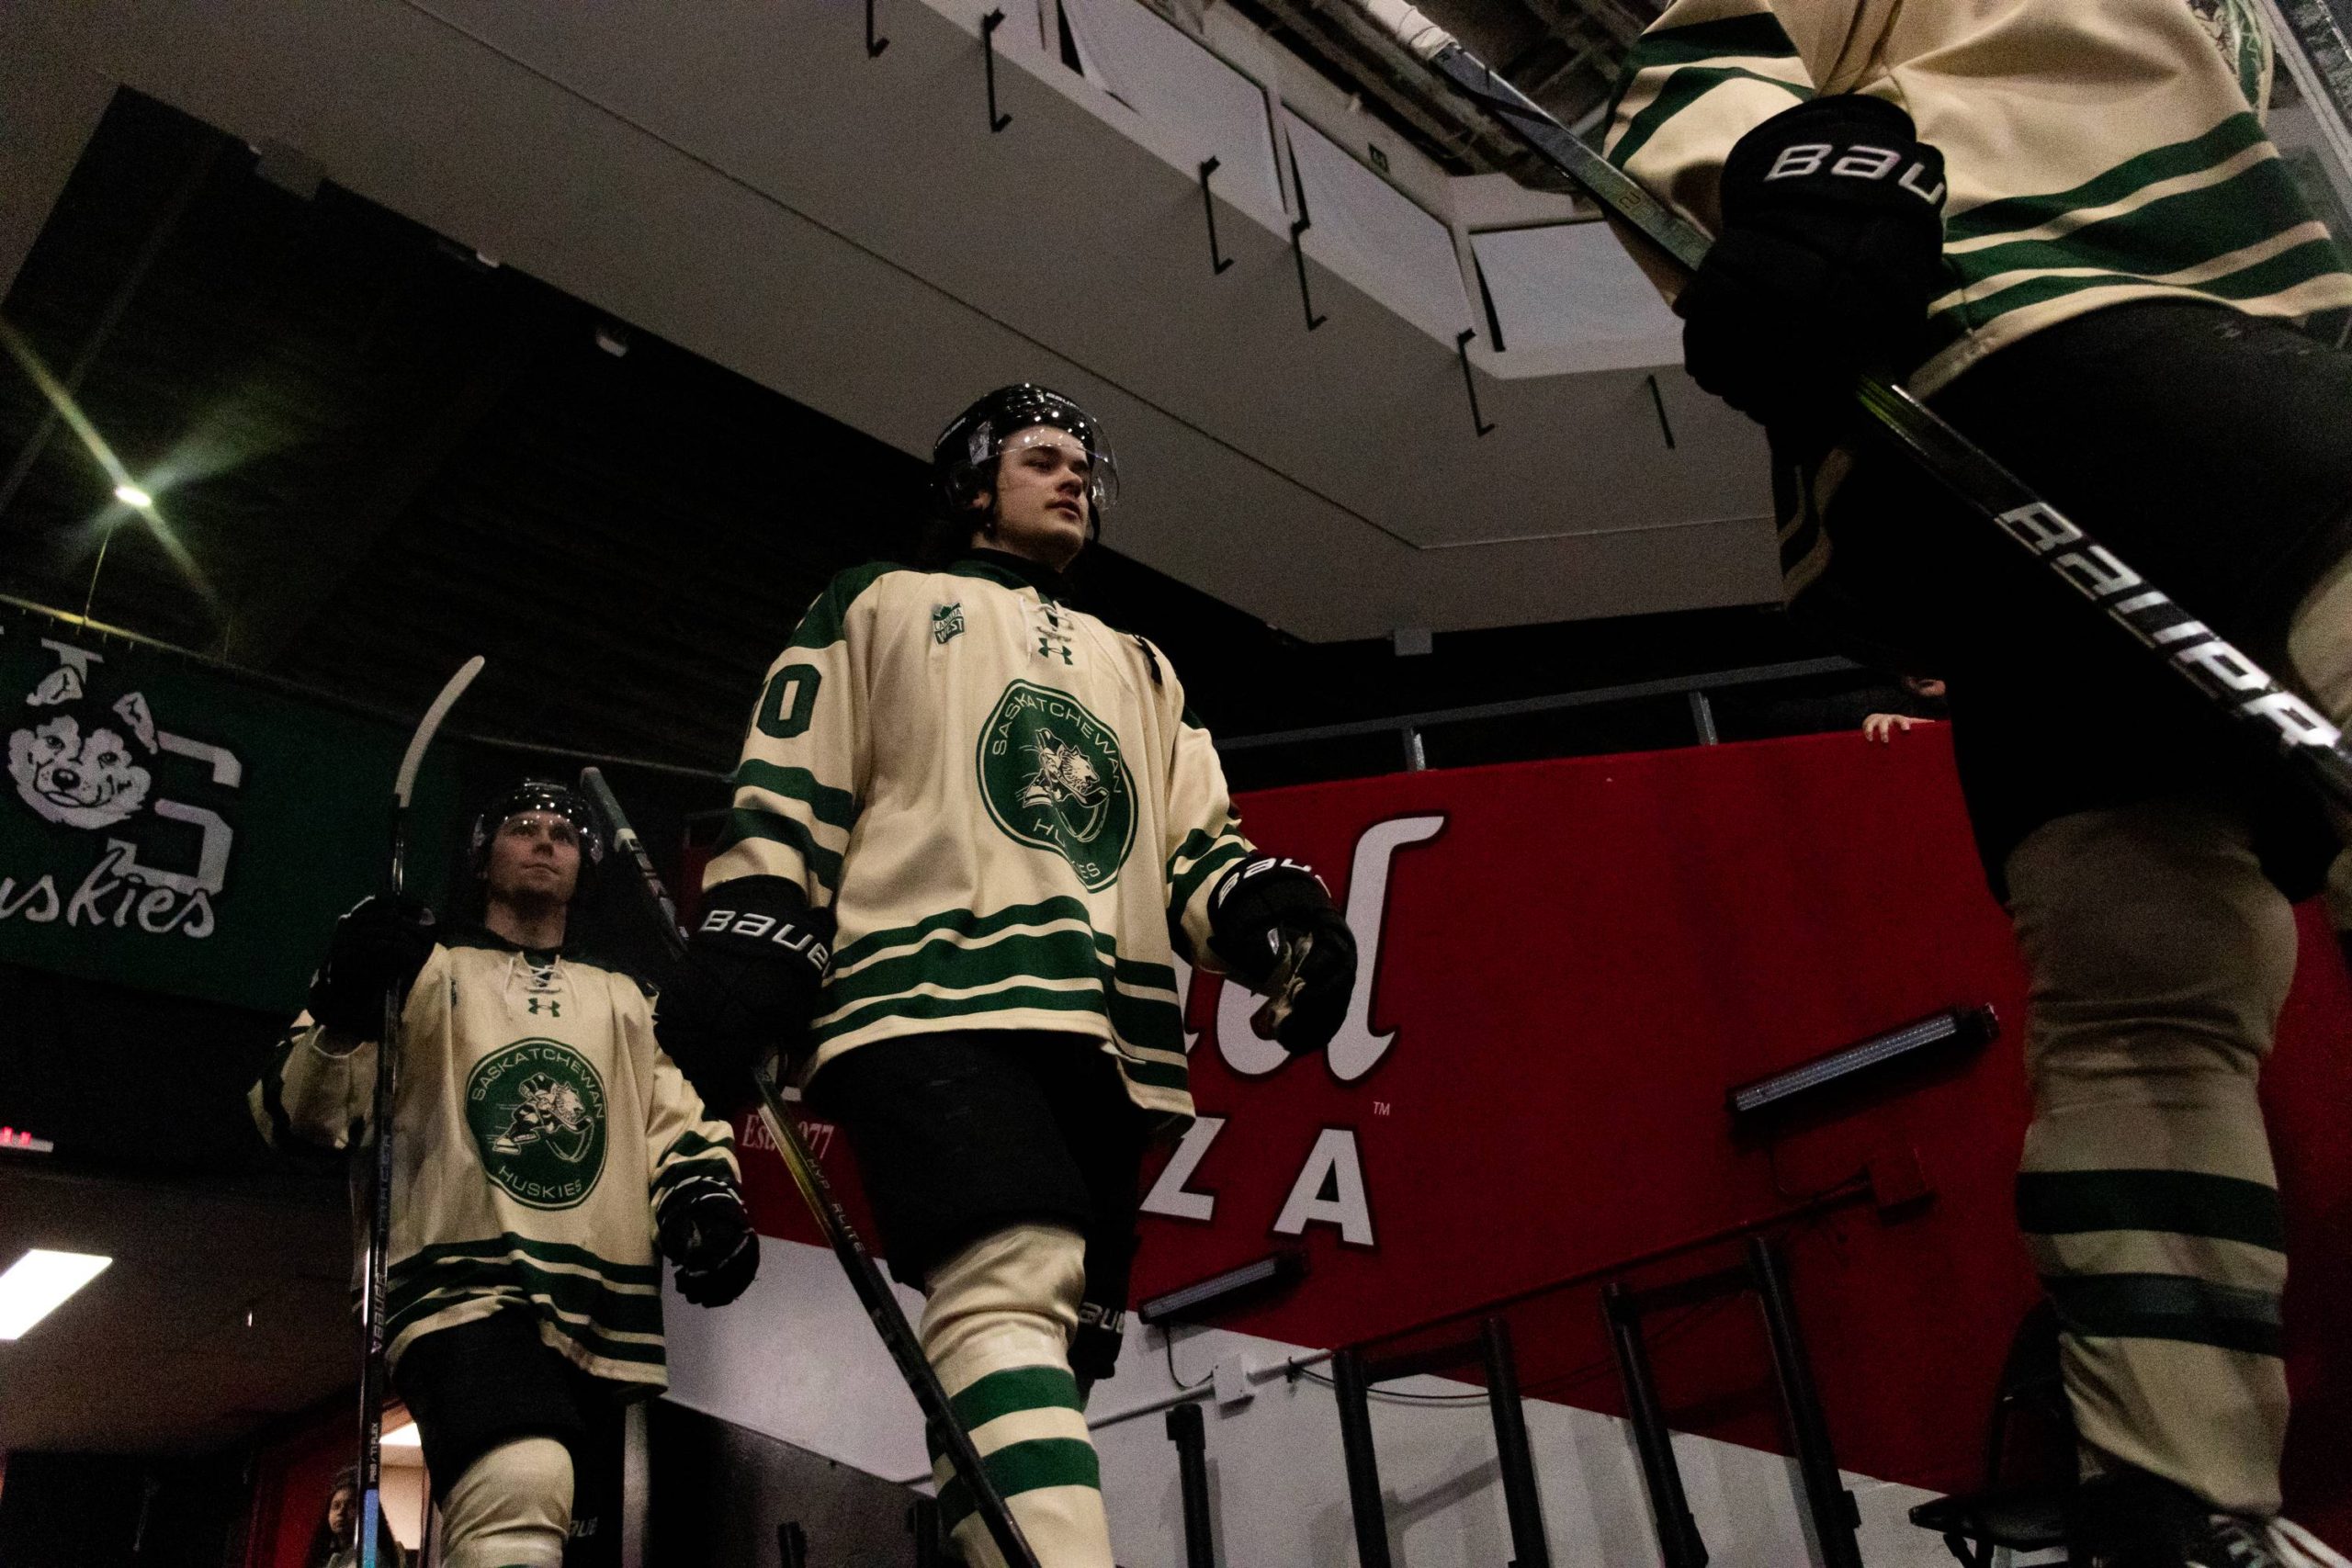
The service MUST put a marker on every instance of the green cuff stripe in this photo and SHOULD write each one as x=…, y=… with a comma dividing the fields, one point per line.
x=2315, y=258
x=671, y=1175
x=544, y=1251
x=1013, y=1390
x=1025, y=1466
x=1185, y=888
x=2181, y=1203
x=688, y=1144
x=836, y=807
x=1733, y=38
x=2166, y=1306
x=746, y=822
x=1684, y=88
x=2219, y=145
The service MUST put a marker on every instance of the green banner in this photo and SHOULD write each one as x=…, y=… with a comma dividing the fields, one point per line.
x=170, y=826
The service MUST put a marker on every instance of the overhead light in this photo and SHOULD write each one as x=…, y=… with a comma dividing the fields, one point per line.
x=1953, y=1029
x=132, y=495
x=404, y=1436
x=37, y=1283
x=612, y=340
x=1221, y=1293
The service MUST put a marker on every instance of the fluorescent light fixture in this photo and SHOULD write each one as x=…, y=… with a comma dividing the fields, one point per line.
x=37, y=1283
x=18, y=1140
x=1953, y=1028
x=404, y=1436
x=1220, y=1292
x=132, y=495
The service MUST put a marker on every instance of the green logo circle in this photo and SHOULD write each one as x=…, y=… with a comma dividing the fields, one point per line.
x=1055, y=778
x=537, y=1110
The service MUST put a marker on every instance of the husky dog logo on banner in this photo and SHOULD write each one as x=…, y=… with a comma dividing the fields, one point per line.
x=84, y=765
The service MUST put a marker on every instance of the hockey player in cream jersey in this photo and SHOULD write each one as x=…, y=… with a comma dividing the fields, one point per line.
x=2062, y=223
x=542, y=1143
x=998, y=814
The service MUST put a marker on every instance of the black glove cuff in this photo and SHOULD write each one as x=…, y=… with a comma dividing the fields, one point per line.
x=1844, y=156
x=1250, y=904
x=766, y=916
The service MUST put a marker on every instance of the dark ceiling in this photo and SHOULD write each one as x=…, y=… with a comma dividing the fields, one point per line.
x=384, y=453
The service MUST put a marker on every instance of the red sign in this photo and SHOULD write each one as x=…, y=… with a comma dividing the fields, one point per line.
x=1565, y=967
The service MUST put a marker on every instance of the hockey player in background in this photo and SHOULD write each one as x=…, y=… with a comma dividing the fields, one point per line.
x=2061, y=223
x=998, y=814
x=542, y=1145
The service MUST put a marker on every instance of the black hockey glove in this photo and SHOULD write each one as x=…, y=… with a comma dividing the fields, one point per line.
x=1274, y=924
x=378, y=944
x=1831, y=251
x=705, y=1231
x=754, y=966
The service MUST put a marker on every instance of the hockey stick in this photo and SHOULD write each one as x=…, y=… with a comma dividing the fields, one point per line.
x=380, y=1214
x=2223, y=674
x=865, y=1276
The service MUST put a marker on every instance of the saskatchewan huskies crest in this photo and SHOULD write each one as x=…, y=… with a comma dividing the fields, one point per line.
x=538, y=1113
x=1055, y=778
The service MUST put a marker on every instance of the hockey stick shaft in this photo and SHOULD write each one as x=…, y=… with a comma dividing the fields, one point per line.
x=375, y=1288
x=865, y=1279
x=2223, y=674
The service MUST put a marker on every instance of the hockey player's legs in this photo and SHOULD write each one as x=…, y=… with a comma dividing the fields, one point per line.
x=997, y=1327
x=500, y=1414
x=512, y=1508
x=1001, y=1166
x=2160, y=956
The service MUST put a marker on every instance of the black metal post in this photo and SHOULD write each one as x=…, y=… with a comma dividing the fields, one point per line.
x=1352, y=1390
x=1298, y=254
x=1835, y=1518
x=1462, y=347
x=1185, y=1429
x=923, y=1519
x=1522, y=1501
x=1657, y=401
x=1219, y=262
x=792, y=1544
x=874, y=46
x=989, y=24
x=1679, y=1539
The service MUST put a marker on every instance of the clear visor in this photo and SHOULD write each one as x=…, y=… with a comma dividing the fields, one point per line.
x=1101, y=471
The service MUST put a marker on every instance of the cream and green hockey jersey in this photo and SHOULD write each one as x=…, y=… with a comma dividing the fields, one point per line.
x=1006, y=806
x=2097, y=150
x=537, y=1126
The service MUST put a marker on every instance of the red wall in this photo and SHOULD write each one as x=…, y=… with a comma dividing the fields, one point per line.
x=1577, y=967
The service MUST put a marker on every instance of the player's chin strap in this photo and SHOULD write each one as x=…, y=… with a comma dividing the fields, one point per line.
x=2219, y=671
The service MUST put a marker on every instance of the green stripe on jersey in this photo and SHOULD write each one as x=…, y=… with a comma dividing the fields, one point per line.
x=836, y=807
x=2219, y=145
x=1683, y=89
x=1010, y=1391
x=1155, y=1025
x=745, y=823
x=575, y=1295
x=1024, y=1467
x=2177, y=1203
x=552, y=1252
x=2166, y=1306
x=2170, y=234
x=1186, y=885
x=961, y=929
x=1757, y=36
x=689, y=1144
x=1068, y=953
x=2315, y=258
